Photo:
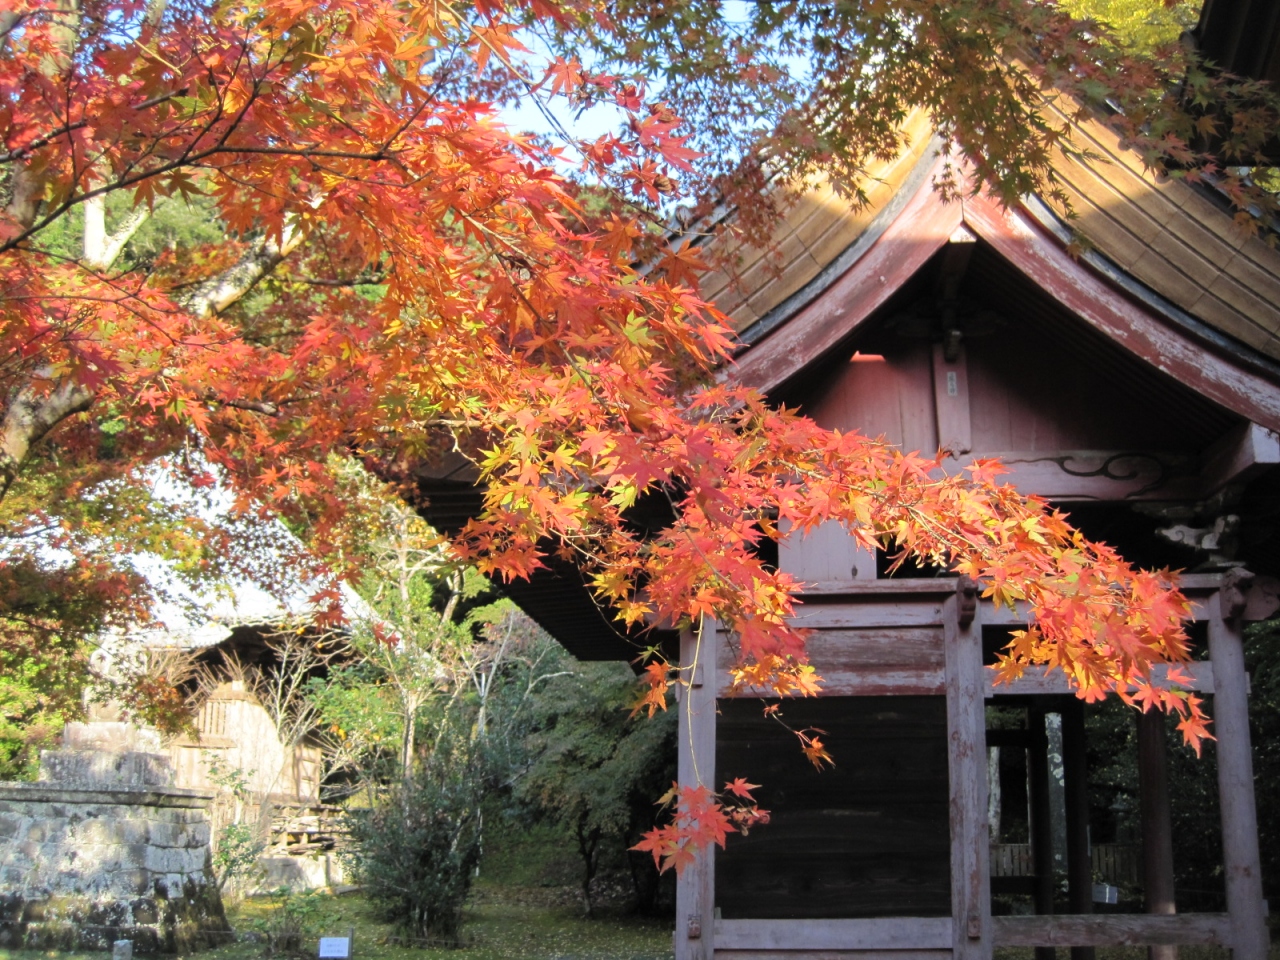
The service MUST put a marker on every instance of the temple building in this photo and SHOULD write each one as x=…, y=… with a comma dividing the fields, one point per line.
x=1133, y=380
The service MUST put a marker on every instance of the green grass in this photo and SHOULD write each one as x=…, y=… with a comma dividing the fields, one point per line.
x=536, y=923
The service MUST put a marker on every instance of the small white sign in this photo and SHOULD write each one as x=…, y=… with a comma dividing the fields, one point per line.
x=335, y=948
x=1105, y=893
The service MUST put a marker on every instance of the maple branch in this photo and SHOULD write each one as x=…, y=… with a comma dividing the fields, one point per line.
x=30, y=415
x=265, y=407
x=211, y=297
x=341, y=281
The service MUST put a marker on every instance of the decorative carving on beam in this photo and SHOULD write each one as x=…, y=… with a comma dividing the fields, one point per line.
x=1210, y=527
x=1124, y=465
x=1082, y=475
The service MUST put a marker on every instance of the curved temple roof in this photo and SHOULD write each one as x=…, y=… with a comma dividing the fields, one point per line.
x=1166, y=242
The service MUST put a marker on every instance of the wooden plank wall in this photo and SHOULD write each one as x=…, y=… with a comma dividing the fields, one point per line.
x=865, y=838
x=872, y=662
x=1059, y=409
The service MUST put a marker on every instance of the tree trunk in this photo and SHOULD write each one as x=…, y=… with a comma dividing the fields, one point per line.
x=30, y=415
x=589, y=848
x=408, y=743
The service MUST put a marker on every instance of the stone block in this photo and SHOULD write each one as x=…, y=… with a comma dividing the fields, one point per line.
x=110, y=913
x=133, y=830
x=147, y=940
x=11, y=824
x=34, y=911
x=11, y=905
x=135, y=854
x=164, y=860
x=53, y=935
x=78, y=874
x=10, y=935
x=28, y=849
x=135, y=881
x=167, y=834
x=96, y=830
x=122, y=950
x=144, y=911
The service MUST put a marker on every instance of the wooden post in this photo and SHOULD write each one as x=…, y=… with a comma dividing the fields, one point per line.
x=951, y=401
x=1079, y=857
x=696, y=763
x=1157, y=824
x=1235, y=779
x=967, y=763
x=1038, y=814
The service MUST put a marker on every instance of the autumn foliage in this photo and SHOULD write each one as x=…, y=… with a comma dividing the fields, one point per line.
x=403, y=276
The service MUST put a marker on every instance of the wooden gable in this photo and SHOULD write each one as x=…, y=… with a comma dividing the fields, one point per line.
x=970, y=327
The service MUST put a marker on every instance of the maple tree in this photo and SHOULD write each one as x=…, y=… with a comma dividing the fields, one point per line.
x=400, y=275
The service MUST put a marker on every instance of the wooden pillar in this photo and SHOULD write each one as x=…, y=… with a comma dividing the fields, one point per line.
x=967, y=763
x=696, y=763
x=1038, y=814
x=1157, y=824
x=1079, y=857
x=1235, y=780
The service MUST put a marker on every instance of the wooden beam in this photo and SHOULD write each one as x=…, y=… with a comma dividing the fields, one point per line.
x=1235, y=787
x=951, y=401
x=879, y=933
x=833, y=955
x=1038, y=682
x=1262, y=599
x=1239, y=456
x=889, y=612
x=1075, y=763
x=1113, y=930
x=1200, y=583
x=905, y=590
x=1017, y=238
x=967, y=766
x=1041, y=825
x=696, y=764
x=863, y=683
x=1157, y=824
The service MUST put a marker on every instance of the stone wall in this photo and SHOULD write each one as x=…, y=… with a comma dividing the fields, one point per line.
x=103, y=857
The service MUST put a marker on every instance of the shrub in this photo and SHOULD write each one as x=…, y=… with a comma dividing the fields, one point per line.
x=416, y=850
x=292, y=923
x=238, y=849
